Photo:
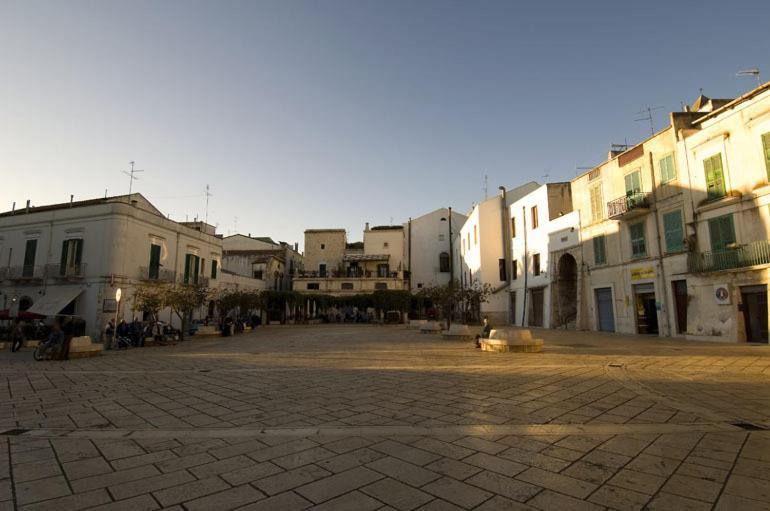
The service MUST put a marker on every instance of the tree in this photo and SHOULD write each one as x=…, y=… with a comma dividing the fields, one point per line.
x=183, y=299
x=150, y=297
x=472, y=297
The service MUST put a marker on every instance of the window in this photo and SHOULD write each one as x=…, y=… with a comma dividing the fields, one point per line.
x=313, y=286
x=501, y=270
x=323, y=246
x=259, y=274
x=766, y=152
x=469, y=241
x=513, y=227
x=673, y=229
x=383, y=270
x=385, y=245
x=443, y=262
x=191, y=267
x=534, y=217
x=419, y=285
x=667, y=168
x=721, y=232
x=71, y=254
x=600, y=250
x=30, y=251
x=153, y=271
x=475, y=236
x=214, y=268
x=380, y=285
x=715, y=179
x=535, y=264
x=633, y=182
x=597, y=203
x=322, y=269
x=638, y=242
x=347, y=286
x=514, y=269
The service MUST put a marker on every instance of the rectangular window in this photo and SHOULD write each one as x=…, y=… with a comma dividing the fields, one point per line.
x=259, y=274
x=323, y=246
x=667, y=168
x=153, y=270
x=214, y=268
x=534, y=217
x=347, y=286
x=638, y=241
x=536, y=264
x=383, y=270
x=673, y=229
x=30, y=251
x=313, y=286
x=766, y=152
x=597, y=203
x=721, y=232
x=469, y=241
x=71, y=254
x=475, y=236
x=600, y=250
x=514, y=269
x=715, y=179
x=513, y=227
x=380, y=286
x=501, y=270
x=322, y=269
x=191, y=267
x=633, y=182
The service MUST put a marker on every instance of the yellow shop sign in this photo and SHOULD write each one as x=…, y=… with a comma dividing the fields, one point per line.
x=643, y=273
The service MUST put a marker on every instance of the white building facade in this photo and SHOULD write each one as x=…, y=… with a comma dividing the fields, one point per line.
x=429, y=247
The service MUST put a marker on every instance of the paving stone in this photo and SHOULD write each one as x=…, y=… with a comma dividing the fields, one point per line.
x=41, y=489
x=338, y=484
x=353, y=501
x=221, y=466
x=143, y=459
x=249, y=474
x=133, y=488
x=736, y=503
x=397, y=494
x=228, y=499
x=551, y=501
x=498, y=503
x=189, y=491
x=557, y=482
x=403, y=471
x=116, y=449
x=503, y=485
x=692, y=487
x=299, y=459
x=596, y=474
x=35, y=470
x=638, y=481
x=668, y=502
x=86, y=468
x=445, y=449
x=405, y=452
x=113, y=478
x=72, y=502
x=615, y=497
x=495, y=464
x=288, y=501
x=752, y=488
x=457, y=492
x=439, y=505
x=288, y=480
x=185, y=462
x=453, y=468
x=480, y=444
x=140, y=503
x=654, y=465
x=351, y=459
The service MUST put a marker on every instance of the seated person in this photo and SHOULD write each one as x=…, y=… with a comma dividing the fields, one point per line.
x=484, y=332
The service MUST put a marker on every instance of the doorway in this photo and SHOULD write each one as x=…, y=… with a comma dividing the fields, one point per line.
x=754, y=300
x=646, y=309
x=513, y=307
x=605, y=314
x=536, y=316
x=566, y=292
x=679, y=287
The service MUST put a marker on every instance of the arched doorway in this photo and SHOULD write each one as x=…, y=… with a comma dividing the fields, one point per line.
x=565, y=305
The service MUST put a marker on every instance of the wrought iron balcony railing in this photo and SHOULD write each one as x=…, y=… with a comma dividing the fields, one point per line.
x=638, y=202
x=66, y=271
x=26, y=272
x=751, y=254
x=157, y=274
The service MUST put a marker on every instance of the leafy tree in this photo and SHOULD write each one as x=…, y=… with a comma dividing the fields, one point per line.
x=150, y=297
x=183, y=299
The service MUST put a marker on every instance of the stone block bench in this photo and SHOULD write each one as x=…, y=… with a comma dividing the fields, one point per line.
x=208, y=330
x=520, y=340
x=82, y=347
x=416, y=324
x=458, y=332
x=430, y=327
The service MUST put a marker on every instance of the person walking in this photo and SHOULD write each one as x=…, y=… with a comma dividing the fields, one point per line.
x=17, y=335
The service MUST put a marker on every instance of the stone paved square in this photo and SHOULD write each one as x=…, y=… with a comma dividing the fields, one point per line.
x=381, y=417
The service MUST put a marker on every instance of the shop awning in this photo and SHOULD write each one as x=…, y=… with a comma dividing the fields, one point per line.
x=54, y=300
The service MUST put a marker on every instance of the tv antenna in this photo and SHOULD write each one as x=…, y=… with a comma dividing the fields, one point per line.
x=752, y=71
x=208, y=194
x=486, y=186
x=132, y=178
x=646, y=114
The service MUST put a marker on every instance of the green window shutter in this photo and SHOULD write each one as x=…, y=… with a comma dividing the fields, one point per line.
x=721, y=232
x=600, y=250
x=63, y=260
x=674, y=231
x=766, y=152
x=715, y=183
x=78, y=252
x=667, y=169
x=638, y=241
x=213, y=268
x=633, y=182
x=195, y=261
x=154, y=270
x=187, y=261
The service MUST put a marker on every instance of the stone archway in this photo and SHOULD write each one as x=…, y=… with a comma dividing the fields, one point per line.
x=566, y=287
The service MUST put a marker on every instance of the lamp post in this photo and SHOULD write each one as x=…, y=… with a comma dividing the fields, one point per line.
x=451, y=270
x=118, y=295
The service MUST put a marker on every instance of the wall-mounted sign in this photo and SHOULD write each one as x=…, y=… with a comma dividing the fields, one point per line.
x=722, y=294
x=109, y=305
x=647, y=272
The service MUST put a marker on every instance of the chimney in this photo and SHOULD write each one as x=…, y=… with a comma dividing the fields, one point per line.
x=13, y=208
x=366, y=227
x=72, y=197
x=28, y=205
x=296, y=246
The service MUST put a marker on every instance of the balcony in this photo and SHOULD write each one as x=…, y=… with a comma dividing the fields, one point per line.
x=741, y=256
x=66, y=272
x=157, y=274
x=350, y=273
x=629, y=206
x=26, y=273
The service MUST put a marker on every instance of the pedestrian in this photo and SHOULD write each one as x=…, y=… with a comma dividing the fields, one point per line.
x=484, y=332
x=17, y=335
x=109, y=333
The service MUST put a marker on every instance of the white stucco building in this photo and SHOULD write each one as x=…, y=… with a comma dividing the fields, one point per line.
x=428, y=247
x=270, y=264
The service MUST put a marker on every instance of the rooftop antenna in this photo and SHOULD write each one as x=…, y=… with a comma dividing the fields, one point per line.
x=546, y=175
x=486, y=186
x=208, y=194
x=752, y=71
x=132, y=178
x=581, y=168
x=646, y=114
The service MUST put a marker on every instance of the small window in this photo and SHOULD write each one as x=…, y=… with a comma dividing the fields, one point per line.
x=600, y=250
x=385, y=245
x=534, y=217
x=383, y=270
x=419, y=285
x=154, y=269
x=766, y=152
x=323, y=246
x=535, y=264
x=638, y=240
x=443, y=262
x=346, y=286
x=469, y=241
x=674, y=231
x=380, y=285
x=514, y=269
x=501, y=270
x=322, y=269
x=722, y=232
x=513, y=227
x=633, y=183
x=214, y=268
x=715, y=179
x=258, y=274
x=667, y=168
x=597, y=203
x=475, y=236
x=313, y=286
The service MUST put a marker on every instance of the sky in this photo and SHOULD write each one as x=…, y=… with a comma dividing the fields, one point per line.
x=326, y=113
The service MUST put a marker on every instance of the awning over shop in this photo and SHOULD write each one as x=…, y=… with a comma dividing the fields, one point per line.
x=54, y=300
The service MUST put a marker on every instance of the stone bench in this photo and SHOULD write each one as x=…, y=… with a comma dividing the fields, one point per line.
x=82, y=347
x=431, y=327
x=416, y=324
x=205, y=330
x=458, y=332
x=518, y=340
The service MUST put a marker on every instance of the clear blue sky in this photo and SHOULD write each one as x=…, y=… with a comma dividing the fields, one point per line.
x=331, y=114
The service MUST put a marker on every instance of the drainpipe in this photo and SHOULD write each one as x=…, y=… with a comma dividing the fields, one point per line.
x=505, y=220
x=526, y=263
x=409, y=257
x=664, y=288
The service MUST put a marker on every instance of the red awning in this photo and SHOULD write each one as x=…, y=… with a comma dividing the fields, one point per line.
x=5, y=314
x=30, y=315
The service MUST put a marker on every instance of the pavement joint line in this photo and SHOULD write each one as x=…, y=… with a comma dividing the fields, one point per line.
x=466, y=430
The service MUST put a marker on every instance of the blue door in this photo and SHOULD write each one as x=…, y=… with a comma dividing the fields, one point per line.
x=605, y=314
